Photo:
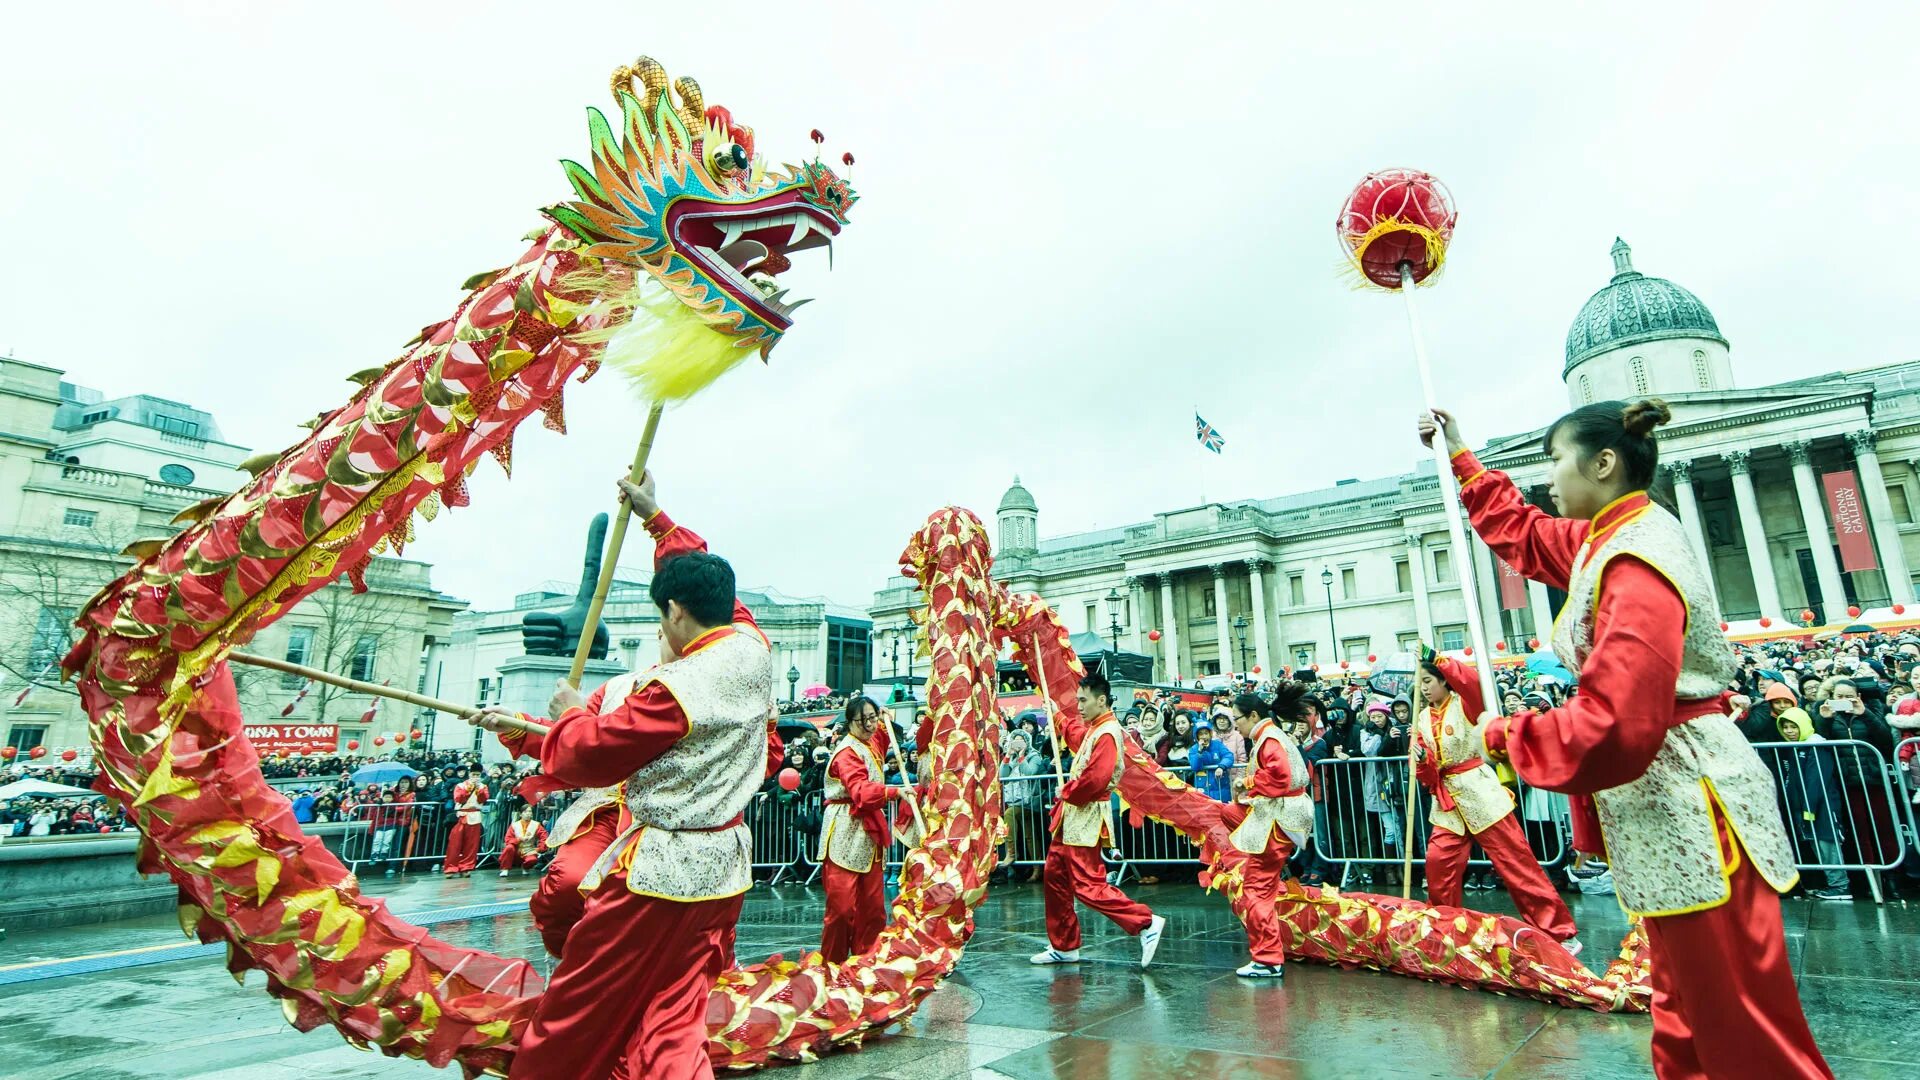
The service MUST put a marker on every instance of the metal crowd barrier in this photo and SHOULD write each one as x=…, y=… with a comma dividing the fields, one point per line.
x=1842, y=804
x=785, y=828
x=1906, y=770
x=394, y=836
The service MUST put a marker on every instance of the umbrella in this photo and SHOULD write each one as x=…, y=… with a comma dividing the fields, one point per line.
x=817, y=690
x=1857, y=628
x=1546, y=662
x=382, y=772
x=41, y=789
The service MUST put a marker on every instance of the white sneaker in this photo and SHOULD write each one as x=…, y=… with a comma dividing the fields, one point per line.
x=1150, y=939
x=503, y=873
x=1258, y=970
x=1055, y=956
x=1573, y=946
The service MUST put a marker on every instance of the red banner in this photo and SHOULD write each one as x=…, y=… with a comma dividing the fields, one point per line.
x=1513, y=587
x=294, y=738
x=1849, y=521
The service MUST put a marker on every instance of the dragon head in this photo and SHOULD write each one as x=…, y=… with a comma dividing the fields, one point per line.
x=684, y=196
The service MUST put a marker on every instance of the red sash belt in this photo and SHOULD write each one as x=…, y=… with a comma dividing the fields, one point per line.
x=1430, y=777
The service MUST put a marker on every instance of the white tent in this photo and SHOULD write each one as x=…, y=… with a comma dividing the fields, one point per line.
x=41, y=789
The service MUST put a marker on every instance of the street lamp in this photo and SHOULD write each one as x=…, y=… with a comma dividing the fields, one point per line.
x=1113, y=620
x=793, y=683
x=1240, y=628
x=1326, y=581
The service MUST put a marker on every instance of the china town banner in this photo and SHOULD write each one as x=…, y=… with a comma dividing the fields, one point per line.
x=1849, y=521
x=294, y=738
x=1513, y=587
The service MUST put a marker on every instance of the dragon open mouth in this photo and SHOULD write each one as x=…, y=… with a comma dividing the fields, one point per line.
x=744, y=247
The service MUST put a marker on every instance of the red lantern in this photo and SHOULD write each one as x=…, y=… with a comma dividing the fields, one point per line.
x=417, y=734
x=37, y=753
x=353, y=744
x=1723, y=628
x=1256, y=669
x=8, y=753
x=1395, y=217
x=68, y=755
x=1469, y=651
x=1343, y=665
x=1533, y=643
x=1500, y=646
x=1853, y=611
x=379, y=740
x=790, y=779
x=1899, y=609
x=103, y=829
x=1153, y=635
x=1807, y=616
x=1372, y=658
x=1765, y=622
x=1316, y=667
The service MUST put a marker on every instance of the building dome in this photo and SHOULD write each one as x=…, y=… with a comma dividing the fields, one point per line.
x=1634, y=308
x=1018, y=498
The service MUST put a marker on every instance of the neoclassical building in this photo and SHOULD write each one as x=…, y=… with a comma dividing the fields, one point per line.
x=1366, y=567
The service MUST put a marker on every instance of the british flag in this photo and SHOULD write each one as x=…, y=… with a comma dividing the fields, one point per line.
x=1208, y=435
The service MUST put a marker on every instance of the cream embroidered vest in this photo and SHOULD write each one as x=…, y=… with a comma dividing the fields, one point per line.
x=842, y=838
x=1480, y=800
x=681, y=800
x=1659, y=829
x=1084, y=826
x=1291, y=814
x=570, y=821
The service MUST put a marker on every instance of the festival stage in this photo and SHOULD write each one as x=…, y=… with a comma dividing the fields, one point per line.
x=157, y=1006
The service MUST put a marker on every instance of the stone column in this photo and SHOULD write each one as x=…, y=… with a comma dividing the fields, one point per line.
x=1753, y=530
x=1833, y=595
x=1170, y=627
x=1137, y=613
x=1257, y=582
x=1227, y=657
x=1886, y=531
x=1688, y=500
x=1542, y=606
x=1486, y=581
x=1422, y=610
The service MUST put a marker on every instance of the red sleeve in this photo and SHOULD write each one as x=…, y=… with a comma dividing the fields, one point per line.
x=587, y=749
x=1608, y=733
x=776, y=748
x=670, y=539
x=1532, y=541
x=863, y=794
x=1091, y=785
x=528, y=744
x=1273, y=777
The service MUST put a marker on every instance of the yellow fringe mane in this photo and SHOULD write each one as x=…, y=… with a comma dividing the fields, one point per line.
x=665, y=350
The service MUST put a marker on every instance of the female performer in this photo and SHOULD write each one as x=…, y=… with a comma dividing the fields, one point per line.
x=1691, y=822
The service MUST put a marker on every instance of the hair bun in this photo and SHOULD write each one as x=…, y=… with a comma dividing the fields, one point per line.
x=1641, y=417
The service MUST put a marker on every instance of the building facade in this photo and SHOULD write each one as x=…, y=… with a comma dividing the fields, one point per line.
x=1366, y=568
x=81, y=477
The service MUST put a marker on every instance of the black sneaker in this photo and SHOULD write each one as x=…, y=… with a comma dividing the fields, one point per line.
x=1830, y=894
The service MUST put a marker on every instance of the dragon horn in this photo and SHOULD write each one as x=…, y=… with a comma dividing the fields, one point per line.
x=693, y=105
x=650, y=77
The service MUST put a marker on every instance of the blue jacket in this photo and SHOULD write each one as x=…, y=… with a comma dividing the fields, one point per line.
x=303, y=809
x=1207, y=775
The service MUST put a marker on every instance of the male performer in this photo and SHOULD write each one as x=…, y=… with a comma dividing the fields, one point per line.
x=689, y=739
x=1273, y=818
x=1470, y=805
x=463, y=843
x=854, y=836
x=521, y=846
x=1082, y=825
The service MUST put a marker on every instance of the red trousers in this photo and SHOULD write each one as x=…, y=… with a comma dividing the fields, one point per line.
x=629, y=998
x=1506, y=846
x=511, y=855
x=557, y=903
x=856, y=909
x=463, y=848
x=1076, y=873
x=1264, y=874
x=1724, y=1000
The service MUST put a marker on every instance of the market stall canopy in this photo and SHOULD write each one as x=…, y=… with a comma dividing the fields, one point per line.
x=41, y=789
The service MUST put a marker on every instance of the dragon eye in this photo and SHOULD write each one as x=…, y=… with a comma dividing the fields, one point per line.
x=727, y=157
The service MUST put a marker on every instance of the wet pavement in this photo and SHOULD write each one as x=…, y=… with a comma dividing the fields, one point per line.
x=149, y=1013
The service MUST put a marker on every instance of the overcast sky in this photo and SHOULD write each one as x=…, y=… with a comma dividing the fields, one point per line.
x=1074, y=228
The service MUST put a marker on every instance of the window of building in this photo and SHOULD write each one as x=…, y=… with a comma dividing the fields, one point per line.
x=1408, y=641
x=1452, y=638
x=1354, y=650
x=1296, y=590
x=173, y=425
x=1902, y=507
x=95, y=416
x=299, y=651
x=849, y=653
x=1702, y=371
x=1349, y=584
x=486, y=687
x=1637, y=367
x=1402, y=576
x=1586, y=390
x=1207, y=605
x=1302, y=654
x=1209, y=667
x=52, y=637
x=24, y=737
x=177, y=475
x=79, y=519
x=365, y=650
x=1442, y=566
x=1093, y=616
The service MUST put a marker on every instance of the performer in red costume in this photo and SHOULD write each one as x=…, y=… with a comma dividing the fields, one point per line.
x=1082, y=825
x=463, y=842
x=521, y=845
x=1471, y=805
x=1691, y=822
x=1273, y=818
x=629, y=996
x=854, y=834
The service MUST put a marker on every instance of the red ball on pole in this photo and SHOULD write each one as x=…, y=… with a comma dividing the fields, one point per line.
x=790, y=779
x=1396, y=217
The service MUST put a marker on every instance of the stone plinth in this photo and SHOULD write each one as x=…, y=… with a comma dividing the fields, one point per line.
x=527, y=682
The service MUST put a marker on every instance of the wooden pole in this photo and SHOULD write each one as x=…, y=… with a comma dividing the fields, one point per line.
x=1413, y=790
x=374, y=689
x=906, y=786
x=612, y=556
x=1053, y=721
